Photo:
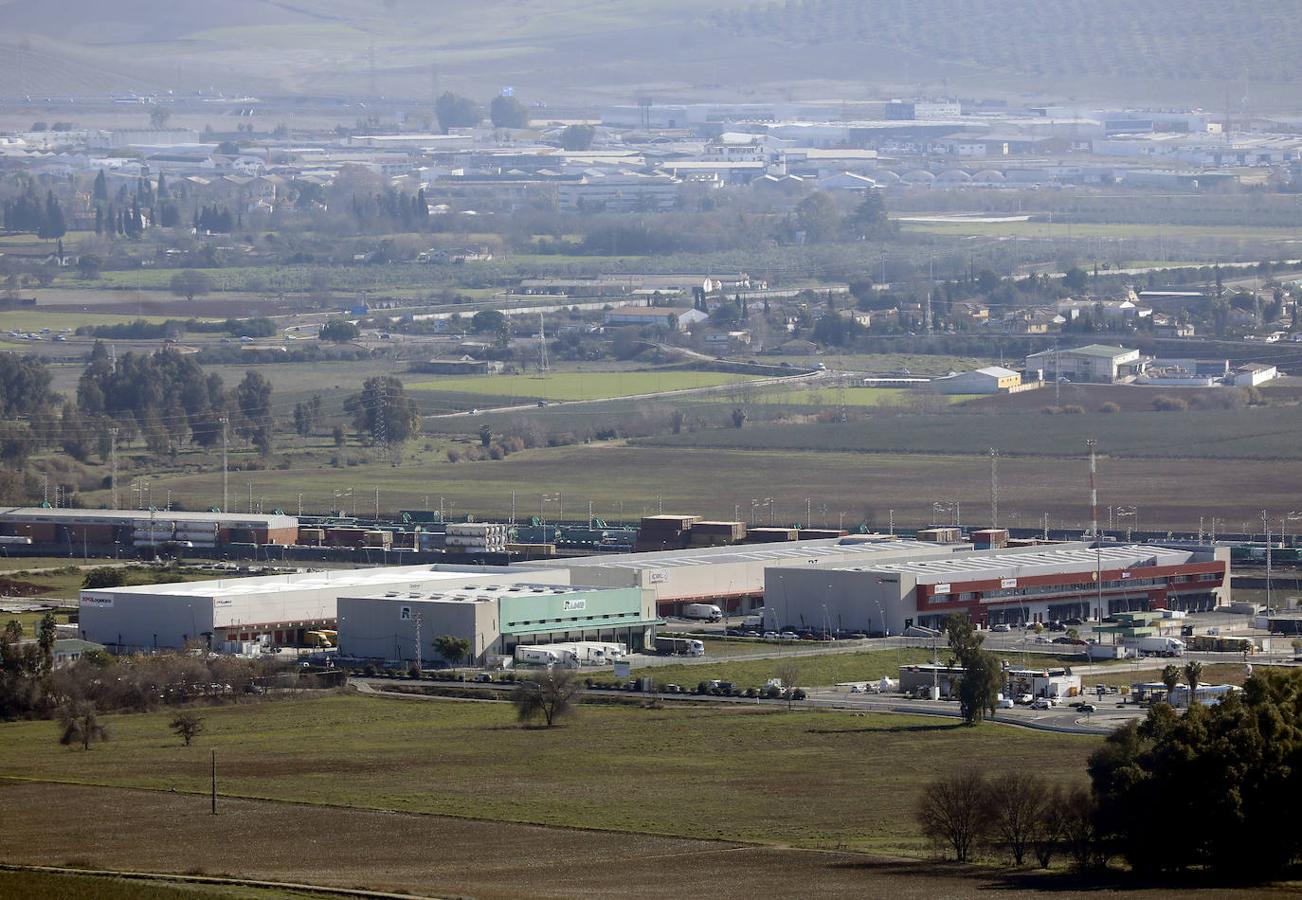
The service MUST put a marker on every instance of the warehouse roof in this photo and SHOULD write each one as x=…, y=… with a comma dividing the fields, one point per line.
x=825, y=550
x=480, y=593
x=1077, y=557
x=419, y=578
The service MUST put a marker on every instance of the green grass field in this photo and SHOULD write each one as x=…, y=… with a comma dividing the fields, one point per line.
x=577, y=385
x=808, y=778
x=816, y=670
x=57, y=318
x=822, y=395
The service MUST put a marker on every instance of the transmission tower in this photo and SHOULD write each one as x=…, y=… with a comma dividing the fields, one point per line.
x=542, y=345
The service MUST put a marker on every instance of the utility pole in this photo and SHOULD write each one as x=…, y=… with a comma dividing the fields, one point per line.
x=214, y=782
x=113, y=466
x=416, y=623
x=890, y=513
x=377, y=504
x=1094, y=493
x=225, y=466
x=1046, y=528
x=994, y=488
x=1265, y=523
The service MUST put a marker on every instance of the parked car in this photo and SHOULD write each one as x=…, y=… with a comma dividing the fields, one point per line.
x=1041, y=703
x=1088, y=708
x=483, y=678
x=1006, y=703
x=1074, y=620
x=672, y=689
x=1001, y=628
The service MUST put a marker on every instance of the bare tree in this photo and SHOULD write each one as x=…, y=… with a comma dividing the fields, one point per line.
x=789, y=674
x=81, y=725
x=552, y=694
x=1080, y=830
x=1016, y=812
x=1049, y=830
x=952, y=811
x=187, y=725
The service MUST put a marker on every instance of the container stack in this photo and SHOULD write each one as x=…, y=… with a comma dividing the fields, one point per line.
x=152, y=532
x=716, y=534
x=197, y=534
x=819, y=534
x=476, y=537
x=664, y=532
x=311, y=537
x=771, y=535
x=378, y=539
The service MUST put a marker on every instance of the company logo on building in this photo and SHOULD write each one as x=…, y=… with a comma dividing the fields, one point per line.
x=574, y=605
x=101, y=602
x=405, y=613
x=1008, y=582
x=940, y=589
x=657, y=577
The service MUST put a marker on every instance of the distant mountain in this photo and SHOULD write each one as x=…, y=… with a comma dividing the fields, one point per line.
x=1179, y=51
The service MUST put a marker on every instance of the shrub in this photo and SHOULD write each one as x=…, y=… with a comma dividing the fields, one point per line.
x=1050, y=410
x=1169, y=404
x=454, y=455
x=1109, y=407
x=1073, y=410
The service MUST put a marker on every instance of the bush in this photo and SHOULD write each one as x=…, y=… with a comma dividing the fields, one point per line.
x=1109, y=407
x=105, y=577
x=1169, y=404
x=1050, y=410
x=454, y=455
x=1073, y=410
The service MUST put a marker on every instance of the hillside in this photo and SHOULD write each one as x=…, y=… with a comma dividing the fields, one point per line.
x=585, y=50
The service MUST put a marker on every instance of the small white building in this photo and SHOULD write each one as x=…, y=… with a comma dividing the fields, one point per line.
x=1253, y=374
x=1094, y=363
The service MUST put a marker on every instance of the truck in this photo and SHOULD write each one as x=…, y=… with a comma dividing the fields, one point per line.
x=1160, y=646
x=706, y=611
x=679, y=646
x=546, y=656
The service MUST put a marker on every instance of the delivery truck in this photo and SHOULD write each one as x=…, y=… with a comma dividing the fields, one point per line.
x=705, y=611
x=1160, y=646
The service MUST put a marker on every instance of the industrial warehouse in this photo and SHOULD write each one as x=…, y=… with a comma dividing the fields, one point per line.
x=1013, y=586
x=232, y=614
x=493, y=618
x=869, y=584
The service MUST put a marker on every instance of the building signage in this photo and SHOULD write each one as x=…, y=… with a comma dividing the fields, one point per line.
x=405, y=613
x=574, y=605
x=101, y=602
x=940, y=589
x=1008, y=582
x=657, y=577
x=1125, y=574
x=623, y=668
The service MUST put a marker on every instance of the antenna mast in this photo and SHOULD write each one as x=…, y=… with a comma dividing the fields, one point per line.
x=994, y=488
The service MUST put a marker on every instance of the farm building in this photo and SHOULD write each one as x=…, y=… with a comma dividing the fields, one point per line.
x=493, y=618
x=1095, y=364
x=989, y=380
x=272, y=609
x=1028, y=584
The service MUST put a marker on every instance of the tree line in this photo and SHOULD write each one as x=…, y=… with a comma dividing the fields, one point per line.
x=1225, y=770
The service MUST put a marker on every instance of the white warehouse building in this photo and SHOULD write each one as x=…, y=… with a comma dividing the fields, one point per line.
x=1016, y=585
x=734, y=575
x=276, y=609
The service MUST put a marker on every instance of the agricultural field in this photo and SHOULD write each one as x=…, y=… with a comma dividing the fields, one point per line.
x=815, y=669
x=747, y=774
x=1255, y=433
x=1044, y=230
x=59, y=318
x=625, y=482
x=881, y=363
x=576, y=385
x=819, y=394
x=61, y=886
